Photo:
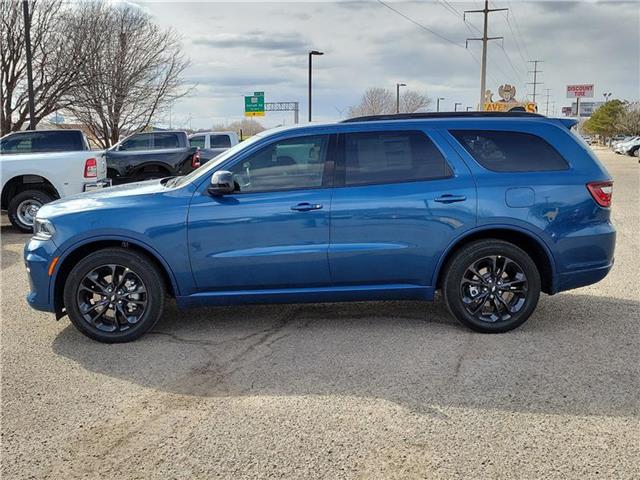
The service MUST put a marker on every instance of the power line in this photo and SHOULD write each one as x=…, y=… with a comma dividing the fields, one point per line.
x=515, y=22
x=512, y=66
x=433, y=32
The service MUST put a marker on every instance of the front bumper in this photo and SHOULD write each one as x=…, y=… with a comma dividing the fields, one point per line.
x=97, y=185
x=38, y=256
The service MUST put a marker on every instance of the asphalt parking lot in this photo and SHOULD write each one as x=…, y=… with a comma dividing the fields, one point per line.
x=362, y=390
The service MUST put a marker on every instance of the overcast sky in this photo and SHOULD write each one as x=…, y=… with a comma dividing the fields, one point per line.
x=237, y=48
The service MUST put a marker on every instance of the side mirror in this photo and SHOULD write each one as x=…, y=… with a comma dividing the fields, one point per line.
x=222, y=183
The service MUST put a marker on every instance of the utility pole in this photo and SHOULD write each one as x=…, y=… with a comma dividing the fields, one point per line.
x=546, y=112
x=535, y=72
x=483, y=65
x=27, y=45
x=438, y=103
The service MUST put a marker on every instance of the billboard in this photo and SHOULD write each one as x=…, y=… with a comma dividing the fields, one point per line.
x=580, y=91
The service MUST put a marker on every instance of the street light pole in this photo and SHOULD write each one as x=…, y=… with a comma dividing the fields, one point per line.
x=27, y=44
x=398, y=85
x=311, y=54
x=455, y=106
x=438, y=103
x=469, y=108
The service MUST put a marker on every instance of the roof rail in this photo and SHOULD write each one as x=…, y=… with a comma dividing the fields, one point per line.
x=427, y=115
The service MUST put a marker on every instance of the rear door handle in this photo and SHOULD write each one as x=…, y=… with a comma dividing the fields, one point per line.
x=306, y=206
x=448, y=198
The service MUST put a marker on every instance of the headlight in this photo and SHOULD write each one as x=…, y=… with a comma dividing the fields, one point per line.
x=43, y=229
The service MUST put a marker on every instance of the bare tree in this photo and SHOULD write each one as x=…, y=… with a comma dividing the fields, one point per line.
x=134, y=71
x=248, y=126
x=412, y=101
x=57, y=48
x=375, y=101
x=380, y=101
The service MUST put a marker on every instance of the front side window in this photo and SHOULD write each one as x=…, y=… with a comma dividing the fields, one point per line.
x=137, y=142
x=219, y=141
x=392, y=157
x=503, y=151
x=292, y=164
x=197, y=141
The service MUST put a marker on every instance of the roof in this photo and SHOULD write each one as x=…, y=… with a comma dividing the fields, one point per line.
x=441, y=115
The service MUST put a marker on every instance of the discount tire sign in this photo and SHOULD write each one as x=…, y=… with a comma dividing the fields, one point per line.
x=580, y=91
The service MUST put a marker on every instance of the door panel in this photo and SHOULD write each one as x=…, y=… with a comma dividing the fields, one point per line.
x=395, y=233
x=274, y=232
x=257, y=241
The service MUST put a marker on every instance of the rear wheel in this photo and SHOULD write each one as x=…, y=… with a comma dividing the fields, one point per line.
x=491, y=286
x=114, y=295
x=24, y=206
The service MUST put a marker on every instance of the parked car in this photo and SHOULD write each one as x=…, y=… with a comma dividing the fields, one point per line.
x=489, y=208
x=212, y=144
x=630, y=147
x=150, y=155
x=39, y=166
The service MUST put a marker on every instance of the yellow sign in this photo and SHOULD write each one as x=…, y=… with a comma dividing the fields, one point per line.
x=505, y=107
x=254, y=114
x=508, y=101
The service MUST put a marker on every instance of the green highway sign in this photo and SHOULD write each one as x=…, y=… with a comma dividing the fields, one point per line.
x=254, y=105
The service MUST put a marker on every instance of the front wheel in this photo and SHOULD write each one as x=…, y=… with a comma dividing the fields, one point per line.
x=24, y=207
x=491, y=286
x=114, y=295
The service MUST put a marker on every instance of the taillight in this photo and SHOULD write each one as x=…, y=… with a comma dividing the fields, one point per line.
x=90, y=168
x=195, y=159
x=601, y=192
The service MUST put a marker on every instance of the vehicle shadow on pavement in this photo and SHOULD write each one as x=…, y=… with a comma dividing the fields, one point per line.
x=577, y=355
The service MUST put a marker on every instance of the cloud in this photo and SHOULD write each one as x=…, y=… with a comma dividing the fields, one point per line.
x=274, y=42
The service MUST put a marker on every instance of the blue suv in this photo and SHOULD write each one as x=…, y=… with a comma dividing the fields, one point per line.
x=491, y=209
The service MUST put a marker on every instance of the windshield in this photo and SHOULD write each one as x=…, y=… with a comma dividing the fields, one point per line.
x=211, y=165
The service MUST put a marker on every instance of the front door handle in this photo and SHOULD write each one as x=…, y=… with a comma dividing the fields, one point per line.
x=306, y=206
x=448, y=198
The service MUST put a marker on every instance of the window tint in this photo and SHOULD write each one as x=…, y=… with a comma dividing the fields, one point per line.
x=165, y=140
x=510, y=151
x=296, y=163
x=137, y=142
x=47, y=141
x=392, y=157
x=197, y=141
x=219, y=141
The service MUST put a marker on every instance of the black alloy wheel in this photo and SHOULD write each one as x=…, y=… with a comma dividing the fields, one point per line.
x=492, y=286
x=114, y=295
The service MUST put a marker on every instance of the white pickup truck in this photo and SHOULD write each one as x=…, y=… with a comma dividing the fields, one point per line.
x=39, y=166
x=212, y=144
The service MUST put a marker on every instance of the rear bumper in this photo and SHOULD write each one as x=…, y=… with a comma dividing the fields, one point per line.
x=582, y=278
x=97, y=185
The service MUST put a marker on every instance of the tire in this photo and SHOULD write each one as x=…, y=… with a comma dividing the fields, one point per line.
x=511, y=299
x=141, y=283
x=24, y=206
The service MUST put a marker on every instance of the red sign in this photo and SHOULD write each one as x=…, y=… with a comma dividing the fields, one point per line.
x=579, y=91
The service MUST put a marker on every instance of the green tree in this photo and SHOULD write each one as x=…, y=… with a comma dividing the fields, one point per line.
x=604, y=120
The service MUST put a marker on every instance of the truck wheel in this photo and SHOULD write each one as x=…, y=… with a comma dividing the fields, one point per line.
x=24, y=206
x=491, y=286
x=114, y=295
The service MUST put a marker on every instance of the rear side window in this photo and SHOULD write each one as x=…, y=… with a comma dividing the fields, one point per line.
x=510, y=151
x=219, y=141
x=392, y=157
x=166, y=140
x=44, y=141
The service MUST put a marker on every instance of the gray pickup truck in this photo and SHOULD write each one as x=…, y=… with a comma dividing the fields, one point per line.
x=148, y=155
